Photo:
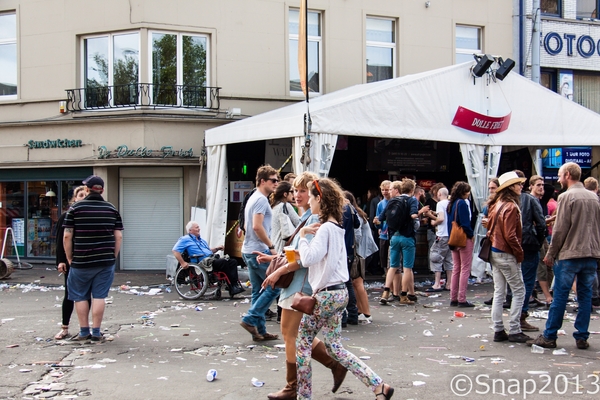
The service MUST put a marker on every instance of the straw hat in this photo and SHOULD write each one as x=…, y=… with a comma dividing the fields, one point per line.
x=509, y=178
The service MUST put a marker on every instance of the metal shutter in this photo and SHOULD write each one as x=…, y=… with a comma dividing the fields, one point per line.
x=152, y=212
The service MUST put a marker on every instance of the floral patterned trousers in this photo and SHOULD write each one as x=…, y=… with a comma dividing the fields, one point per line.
x=327, y=317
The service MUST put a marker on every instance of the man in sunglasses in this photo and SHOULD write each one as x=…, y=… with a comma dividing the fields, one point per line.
x=257, y=240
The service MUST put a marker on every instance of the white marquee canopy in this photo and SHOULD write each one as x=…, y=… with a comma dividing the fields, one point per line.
x=420, y=106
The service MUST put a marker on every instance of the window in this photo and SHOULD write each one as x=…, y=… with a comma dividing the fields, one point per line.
x=587, y=9
x=8, y=56
x=381, y=49
x=313, y=52
x=111, y=69
x=468, y=42
x=551, y=7
x=179, y=73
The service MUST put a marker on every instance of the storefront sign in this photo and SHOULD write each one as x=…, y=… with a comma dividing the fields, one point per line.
x=555, y=157
x=585, y=45
x=475, y=122
x=53, y=144
x=143, y=152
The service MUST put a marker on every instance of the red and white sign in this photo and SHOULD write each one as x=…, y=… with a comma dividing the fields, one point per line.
x=475, y=122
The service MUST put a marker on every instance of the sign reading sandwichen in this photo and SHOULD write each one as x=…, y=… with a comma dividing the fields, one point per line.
x=480, y=123
x=123, y=151
x=54, y=144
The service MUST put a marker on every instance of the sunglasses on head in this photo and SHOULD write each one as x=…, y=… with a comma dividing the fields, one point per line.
x=316, y=182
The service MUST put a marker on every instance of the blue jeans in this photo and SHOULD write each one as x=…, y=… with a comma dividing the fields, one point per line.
x=261, y=301
x=529, y=269
x=565, y=272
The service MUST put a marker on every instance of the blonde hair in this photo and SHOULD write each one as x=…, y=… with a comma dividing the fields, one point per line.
x=76, y=192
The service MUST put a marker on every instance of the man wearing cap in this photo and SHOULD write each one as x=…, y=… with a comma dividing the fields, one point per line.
x=575, y=246
x=92, y=240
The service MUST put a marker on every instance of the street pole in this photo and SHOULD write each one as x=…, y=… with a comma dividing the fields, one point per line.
x=535, y=42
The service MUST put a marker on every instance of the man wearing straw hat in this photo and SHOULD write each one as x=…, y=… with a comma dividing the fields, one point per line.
x=575, y=247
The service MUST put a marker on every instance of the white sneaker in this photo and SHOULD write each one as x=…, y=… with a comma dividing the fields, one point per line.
x=364, y=320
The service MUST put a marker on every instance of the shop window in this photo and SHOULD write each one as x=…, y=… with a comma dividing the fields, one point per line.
x=551, y=7
x=587, y=9
x=585, y=90
x=8, y=56
x=314, y=52
x=42, y=215
x=179, y=69
x=468, y=42
x=381, y=49
x=111, y=70
x=12, y=215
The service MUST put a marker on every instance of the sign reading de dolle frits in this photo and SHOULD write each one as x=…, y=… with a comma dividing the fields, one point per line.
x=475, y=122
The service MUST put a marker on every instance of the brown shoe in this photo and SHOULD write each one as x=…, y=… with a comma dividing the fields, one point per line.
x=500, y=336
x=289, y=391
x=526, y=326
x=406, y=301
x=320, y=354
x=252, y=330
x=265, y=336
x=542, y=342
x=582, y=344
x=385, y=296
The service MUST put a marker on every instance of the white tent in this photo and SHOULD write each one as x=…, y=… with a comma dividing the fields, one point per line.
x=421, y=106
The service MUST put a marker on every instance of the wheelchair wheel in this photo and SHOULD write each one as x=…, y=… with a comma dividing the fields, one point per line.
x=191, y=283
x=218, y=294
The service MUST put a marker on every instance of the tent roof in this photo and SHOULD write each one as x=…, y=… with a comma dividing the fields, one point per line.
x=422, y=106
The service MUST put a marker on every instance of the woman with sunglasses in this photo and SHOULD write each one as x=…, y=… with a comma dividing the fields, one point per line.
x=290, y=318
x=285, y=220
x=325, y=258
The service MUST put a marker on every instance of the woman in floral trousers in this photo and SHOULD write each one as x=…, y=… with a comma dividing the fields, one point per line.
x=325, y=258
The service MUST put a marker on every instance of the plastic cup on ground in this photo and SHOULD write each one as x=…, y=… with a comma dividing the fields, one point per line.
x=211, y=375
x=290, y=253
x=537, y=349
x=459, y=314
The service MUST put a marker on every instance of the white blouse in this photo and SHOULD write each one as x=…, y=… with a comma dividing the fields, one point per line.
x=325, y=257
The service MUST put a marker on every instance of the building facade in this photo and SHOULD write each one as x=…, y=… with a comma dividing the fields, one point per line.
x=125, y=90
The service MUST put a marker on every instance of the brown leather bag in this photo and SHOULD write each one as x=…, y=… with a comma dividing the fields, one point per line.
x=458, y=237
x=303, y=303
x=280, y=261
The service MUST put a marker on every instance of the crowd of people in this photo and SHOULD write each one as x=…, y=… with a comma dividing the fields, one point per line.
x=536, y=238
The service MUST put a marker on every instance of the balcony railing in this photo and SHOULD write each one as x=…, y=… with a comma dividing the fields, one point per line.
x=145, y=95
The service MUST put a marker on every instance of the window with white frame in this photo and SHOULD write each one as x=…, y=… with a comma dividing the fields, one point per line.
x=8, y=56
x=468, y=42
x=111, y=69
x=314, y=51
x=380, y=49
x=179, y=68
x=587, y=9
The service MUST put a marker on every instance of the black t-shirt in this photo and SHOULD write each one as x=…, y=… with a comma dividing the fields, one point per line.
x=432, y=206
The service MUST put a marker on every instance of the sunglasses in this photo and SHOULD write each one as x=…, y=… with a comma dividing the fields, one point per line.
x=274, y=180
x=316, y=182
x=291, y=191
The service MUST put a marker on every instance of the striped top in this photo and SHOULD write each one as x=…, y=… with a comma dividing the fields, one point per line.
x=94, y=222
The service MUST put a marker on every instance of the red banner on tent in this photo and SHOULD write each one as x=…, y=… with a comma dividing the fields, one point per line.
x=475, y=122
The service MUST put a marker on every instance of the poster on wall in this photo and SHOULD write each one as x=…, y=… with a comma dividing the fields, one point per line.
x=554, y=157
x=566, y=84
x=277, y=152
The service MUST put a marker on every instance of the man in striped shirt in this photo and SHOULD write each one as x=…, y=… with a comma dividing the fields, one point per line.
x=92, y=240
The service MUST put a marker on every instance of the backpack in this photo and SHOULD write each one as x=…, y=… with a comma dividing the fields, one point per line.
x=241, y=215
x=397, y=216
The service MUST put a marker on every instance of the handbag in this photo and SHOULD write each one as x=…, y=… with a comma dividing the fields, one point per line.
x=486, y=243
x=303, y=302
x=287, y=227
x=280, y=261
x=458, y=237
x=357, y=268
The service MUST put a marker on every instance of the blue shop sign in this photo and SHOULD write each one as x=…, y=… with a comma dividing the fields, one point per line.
x=556, y=156
x=585, y=45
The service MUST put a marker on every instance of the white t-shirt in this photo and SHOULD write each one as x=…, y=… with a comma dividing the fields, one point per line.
x=257, y=204
x=441, y=209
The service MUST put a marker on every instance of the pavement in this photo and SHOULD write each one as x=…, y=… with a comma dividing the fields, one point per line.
x=162, y=347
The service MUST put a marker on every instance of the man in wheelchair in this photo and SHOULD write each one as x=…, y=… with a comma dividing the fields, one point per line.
x=193, y=244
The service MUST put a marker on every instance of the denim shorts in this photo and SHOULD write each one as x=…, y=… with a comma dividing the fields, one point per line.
x=86, y=283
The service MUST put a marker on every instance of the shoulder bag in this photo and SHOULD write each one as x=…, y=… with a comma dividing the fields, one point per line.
x=458, y=237
x=303, y=302
x=486, y=243
x=280, y=261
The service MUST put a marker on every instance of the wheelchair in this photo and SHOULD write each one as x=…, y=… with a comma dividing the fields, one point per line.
x=195, y=281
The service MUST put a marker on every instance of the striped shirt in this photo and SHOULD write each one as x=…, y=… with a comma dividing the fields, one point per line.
x=94, y=222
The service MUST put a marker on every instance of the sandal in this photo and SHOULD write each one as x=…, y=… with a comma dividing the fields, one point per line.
x=387, y=395
x=63, y=334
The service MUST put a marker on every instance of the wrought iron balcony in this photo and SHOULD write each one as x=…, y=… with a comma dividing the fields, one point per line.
x=146, y=95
